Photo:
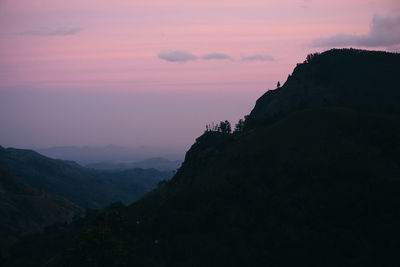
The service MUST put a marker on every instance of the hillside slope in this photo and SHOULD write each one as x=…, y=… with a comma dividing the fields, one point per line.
x=308, y=182
x=24, y=209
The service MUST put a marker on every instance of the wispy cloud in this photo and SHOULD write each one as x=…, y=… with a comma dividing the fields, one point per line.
x=384, y=31
x=176, y=56
x=258, y=57
x=62, y=31
x=305, y=4
x=185, y=56
x=219, y=56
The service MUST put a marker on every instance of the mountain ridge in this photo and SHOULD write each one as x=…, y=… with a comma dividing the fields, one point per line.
x=357, y=86
x=158, y=163
x=87, y=188
x=89, y=155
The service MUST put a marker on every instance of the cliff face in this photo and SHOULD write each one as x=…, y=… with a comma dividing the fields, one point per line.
x=312, y=180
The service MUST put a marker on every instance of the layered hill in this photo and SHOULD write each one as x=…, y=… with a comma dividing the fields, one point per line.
x=158, y=163
x=110, y=153
x=85, y=187
x=313, y=179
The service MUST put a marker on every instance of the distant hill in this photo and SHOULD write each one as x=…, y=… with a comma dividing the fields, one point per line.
x=110, y=153
x=24, y=209
x=312, y=179
x=158, y=163
x=85, y=187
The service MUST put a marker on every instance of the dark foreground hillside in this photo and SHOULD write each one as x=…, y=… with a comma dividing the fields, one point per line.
x=36, y=191
x=313, y=179
x=24, y=209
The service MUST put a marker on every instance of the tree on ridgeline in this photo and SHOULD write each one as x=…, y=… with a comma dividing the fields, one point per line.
x=311, y=57
x=225, y=127
x=212, y=127
x=222, y=127
x=239, y=126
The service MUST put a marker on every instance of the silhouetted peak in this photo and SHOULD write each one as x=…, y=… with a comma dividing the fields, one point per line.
x=357, y=79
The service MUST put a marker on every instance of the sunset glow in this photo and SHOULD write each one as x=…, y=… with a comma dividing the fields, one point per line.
x=113, y=62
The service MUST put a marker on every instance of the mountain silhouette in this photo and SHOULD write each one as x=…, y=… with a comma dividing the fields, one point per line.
x=312, y=179
x=361, y=80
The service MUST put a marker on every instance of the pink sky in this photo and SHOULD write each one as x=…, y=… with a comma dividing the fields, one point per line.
x=108, y=49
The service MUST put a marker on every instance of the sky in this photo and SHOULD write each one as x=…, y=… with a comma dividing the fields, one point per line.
x=155, y=72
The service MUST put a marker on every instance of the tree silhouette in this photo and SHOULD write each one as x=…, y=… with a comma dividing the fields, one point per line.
x=311, y=57
x=278, y=84
x=225, y=127
x=239, y=126
x=212, y=127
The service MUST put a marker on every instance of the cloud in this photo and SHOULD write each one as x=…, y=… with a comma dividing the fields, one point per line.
x=62, y=31
x=384, y=31
x=257, y=57
x=305, y=4
x=219, y=56
x=184, y=56
x=176, y=56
